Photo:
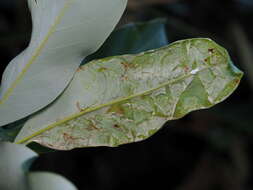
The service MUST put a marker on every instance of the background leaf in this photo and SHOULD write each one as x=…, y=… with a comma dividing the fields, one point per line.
x=125, y=99
x=14, y=164
x=133, y=38
x=9, y=132
x=49, y=181
x=64, y=33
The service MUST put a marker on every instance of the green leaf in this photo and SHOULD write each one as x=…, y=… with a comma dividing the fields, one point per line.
x=14, y=164
x=124, y=99
x=9, y=132
x=49, y=181
x=133, y=38
x=64, y=33
x=39, y=149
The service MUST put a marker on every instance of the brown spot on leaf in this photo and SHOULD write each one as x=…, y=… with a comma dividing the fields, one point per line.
x=80, y=69
x=126, y=65
x=78, y=106
x=92, y=127
x=116, y=126
x=211, y=50
x=68, y=137
x=116, y=109
x=124, y=77
x=237, y=81
x=101, y=69
x=186, y=69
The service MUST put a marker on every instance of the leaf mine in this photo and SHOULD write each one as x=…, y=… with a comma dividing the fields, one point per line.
x=125, y=99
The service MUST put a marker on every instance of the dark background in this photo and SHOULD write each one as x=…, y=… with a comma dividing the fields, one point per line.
x=206, y=150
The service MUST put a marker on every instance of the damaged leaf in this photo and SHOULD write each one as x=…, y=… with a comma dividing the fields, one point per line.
x=124, y=99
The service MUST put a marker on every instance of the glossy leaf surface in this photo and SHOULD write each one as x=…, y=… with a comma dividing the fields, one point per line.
x=124, y=99
x=64, y=33
x=133, y=38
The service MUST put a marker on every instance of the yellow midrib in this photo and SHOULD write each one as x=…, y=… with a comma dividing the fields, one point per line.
x=36, y=53
x=91, y=109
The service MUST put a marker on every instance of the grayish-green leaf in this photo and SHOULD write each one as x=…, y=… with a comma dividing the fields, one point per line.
x=15, y=161
x=48, y=181
x=14, y=164
x=126, y=99
x=133, y=38
x=9, y=132
x=64, y=32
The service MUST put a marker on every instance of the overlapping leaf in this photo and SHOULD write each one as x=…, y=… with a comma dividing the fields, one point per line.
x=64, y=32
x=15, y=162
x=48, y=181
x=133, y=39
x=125, y=99
x=9, y=132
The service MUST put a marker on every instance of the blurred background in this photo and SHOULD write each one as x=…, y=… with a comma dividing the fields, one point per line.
x=206, y=150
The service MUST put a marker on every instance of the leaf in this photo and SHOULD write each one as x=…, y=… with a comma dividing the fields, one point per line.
x=9, y=132
x=49, y=181
x=14, y=163
x=124, y=99
x=133, y=38
x=39, y=149
x=64, y=33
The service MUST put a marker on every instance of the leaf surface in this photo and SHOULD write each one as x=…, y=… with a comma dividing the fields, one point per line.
x=48, y=181
x=9, y=132
x=124, y=99
x=133, y=38
x=14, y=164
x=64, y=33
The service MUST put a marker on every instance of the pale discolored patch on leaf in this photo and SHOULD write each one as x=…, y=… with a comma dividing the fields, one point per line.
x=124, y=99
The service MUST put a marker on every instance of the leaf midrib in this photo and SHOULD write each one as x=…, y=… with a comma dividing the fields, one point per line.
x=36, y=53
x=117, y=101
